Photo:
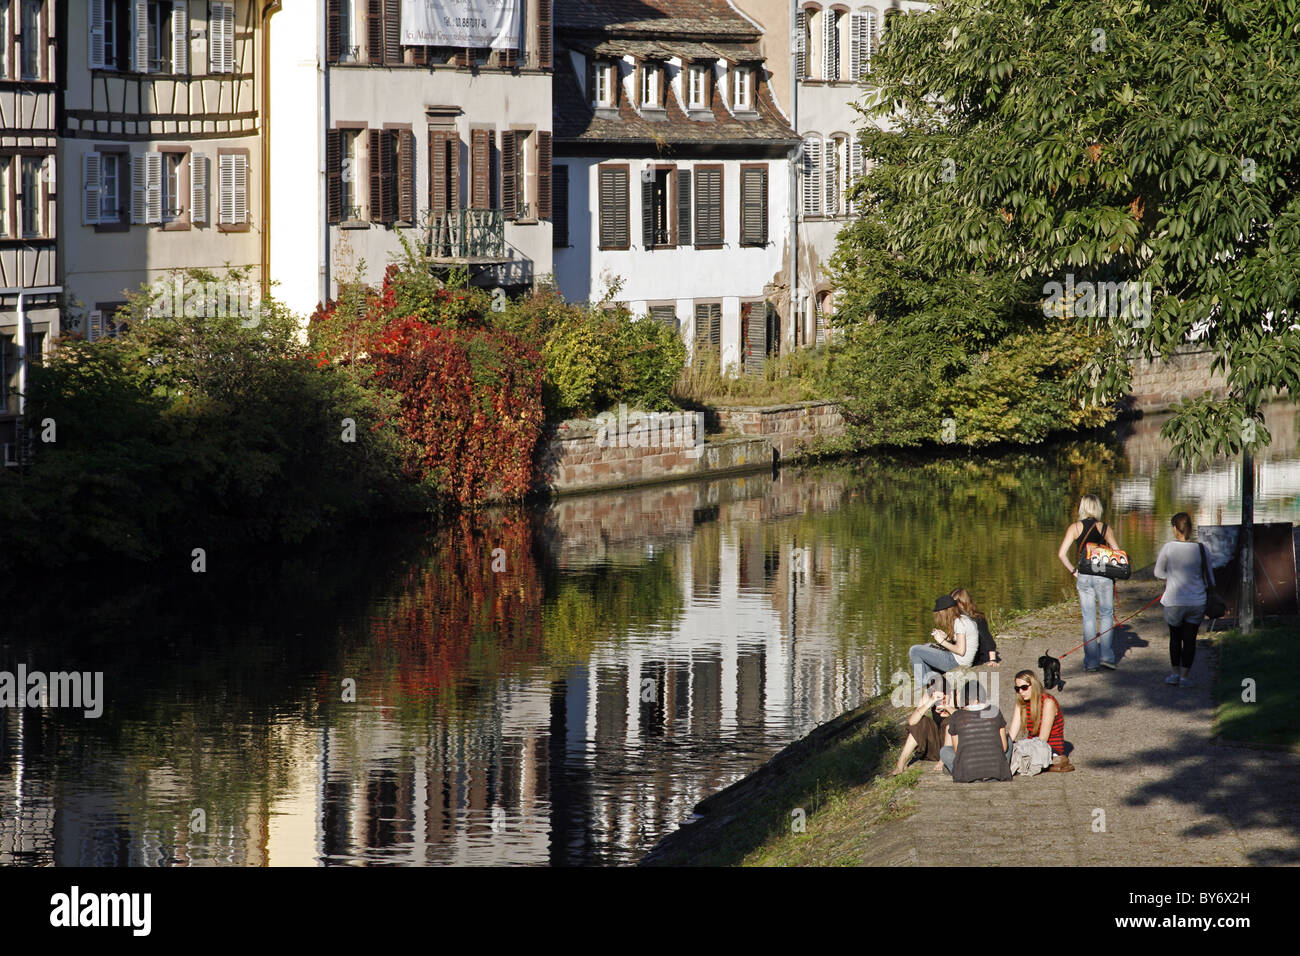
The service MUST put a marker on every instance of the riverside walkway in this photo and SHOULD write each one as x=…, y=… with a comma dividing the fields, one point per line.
x=1153, y=787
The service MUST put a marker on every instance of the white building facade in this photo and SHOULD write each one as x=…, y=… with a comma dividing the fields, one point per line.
x=672, y=172
x=378, y=141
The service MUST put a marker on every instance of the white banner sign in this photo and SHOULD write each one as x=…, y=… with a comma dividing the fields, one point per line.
x=472, y=23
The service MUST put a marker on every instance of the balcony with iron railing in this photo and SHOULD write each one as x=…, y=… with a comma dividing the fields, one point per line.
x=467, y=236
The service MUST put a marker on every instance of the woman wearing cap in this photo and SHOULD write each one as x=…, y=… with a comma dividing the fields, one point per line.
x=955, y=636
x=1096, y=593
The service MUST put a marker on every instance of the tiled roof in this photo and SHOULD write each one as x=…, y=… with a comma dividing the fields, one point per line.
x=575, y=120
x=666, y=48
x=654, y=17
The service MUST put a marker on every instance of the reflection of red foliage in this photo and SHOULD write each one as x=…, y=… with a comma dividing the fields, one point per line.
x=454, y=615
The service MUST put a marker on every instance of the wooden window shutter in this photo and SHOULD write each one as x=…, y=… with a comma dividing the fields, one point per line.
x=708, y=207
x=437, y=172
x=648, y=212
x=855, y=170
x=801, y=56
x=200, y=176
x=560, y=218
x=812, y=177
x=153, y=164
x=375, y=142
x=388, y=173
x=543, y=174
x=139, y=190
x=221, y=37
x=180, y=38
x=405, y=175
x=334, y=175
x=708, y=325
x=333, y=32
x=392, y=31
x=831, y=176
x=240, y=187
x=753, y=207
x=508, y=173
x=90, y=186
x=419, y=54
x=375, y=31
x=683, y=207
x=613, y=209
x=140, y=36
x=95, y=45
x=831, y=45
x=480, y=162
x=666, y=315
x=544, y=56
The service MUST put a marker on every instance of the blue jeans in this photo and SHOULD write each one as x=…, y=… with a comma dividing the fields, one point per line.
x=949, y=756
x=1097, y=598
x=928, y=659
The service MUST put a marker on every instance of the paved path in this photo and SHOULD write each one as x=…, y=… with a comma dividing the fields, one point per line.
x=1146, y=758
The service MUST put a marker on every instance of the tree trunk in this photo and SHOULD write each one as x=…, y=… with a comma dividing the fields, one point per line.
x=1246, y=596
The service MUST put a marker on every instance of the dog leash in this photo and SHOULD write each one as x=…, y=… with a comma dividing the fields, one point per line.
x=1113, y=626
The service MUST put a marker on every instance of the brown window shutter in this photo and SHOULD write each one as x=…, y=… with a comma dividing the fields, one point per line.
x=375, y=141
x=508, y=173
x=683, y=207
x=480, y=160
x=708, y=207
x=406, y=175
x=333, y=39
x=453, y=168
x=463, y=57
x=543, y=175
x=613, y=209
x=334, y=174
x=375, y=31
x=392, y=31
x=419, y=55
x=560, y=190
x=437, y=172
x=544, y=34
x=753, y=207
x=507, y=59
x=708, y=325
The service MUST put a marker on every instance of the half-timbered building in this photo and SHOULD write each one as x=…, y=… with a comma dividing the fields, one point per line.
x=672, y=170
x=29, y=297
x=392, y=140
x=161, y=145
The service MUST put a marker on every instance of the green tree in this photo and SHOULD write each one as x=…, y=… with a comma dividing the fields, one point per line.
x=1152, y=143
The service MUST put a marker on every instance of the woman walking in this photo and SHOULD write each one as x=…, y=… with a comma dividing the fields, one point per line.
x=1179, y=563
x=1096, y=592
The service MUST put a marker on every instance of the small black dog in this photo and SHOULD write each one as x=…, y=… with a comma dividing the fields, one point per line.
x=1051, y=671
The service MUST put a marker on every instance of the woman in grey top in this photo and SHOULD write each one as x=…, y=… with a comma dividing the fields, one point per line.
x=1179, y=563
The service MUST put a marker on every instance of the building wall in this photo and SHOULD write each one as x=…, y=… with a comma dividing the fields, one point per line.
x=731, y=275
x=203, y=112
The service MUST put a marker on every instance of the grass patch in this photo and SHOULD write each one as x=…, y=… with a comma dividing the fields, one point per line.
x=1269, y=658
x=796, y=377
x=831, y=775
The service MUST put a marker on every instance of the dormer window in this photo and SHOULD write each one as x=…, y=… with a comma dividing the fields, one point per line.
x=603, y=85
x=698, y=87
x=651, y=86
x=742, y=83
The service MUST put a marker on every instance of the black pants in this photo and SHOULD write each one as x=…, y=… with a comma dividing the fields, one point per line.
x=1182, y=644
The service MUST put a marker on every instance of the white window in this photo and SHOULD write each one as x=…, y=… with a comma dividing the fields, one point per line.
x=862, y=44
x=6, y=172
x=232, y=189
x=6, y=11
x=856, y=168
x=830, y=44
x=33, y=47
x=200, y=177
x=172, y=207
x=32, y=196
x=351, y=209
x=742, y=82
x=833, y=174
x=651, y=75
x=605, y=79
x=523, y=192
x=221, y=37
x=697, y=91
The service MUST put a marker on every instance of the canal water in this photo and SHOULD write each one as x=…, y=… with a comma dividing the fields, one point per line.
x=547, y=687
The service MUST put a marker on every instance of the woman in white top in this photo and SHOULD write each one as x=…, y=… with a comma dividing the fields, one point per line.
x=956, y=638
x=1179, y=563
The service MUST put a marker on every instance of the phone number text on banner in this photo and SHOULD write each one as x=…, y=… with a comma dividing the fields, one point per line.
x=472, y=23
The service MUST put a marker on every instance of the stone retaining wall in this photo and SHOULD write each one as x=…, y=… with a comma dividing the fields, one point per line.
x=1160, y=384
x=794, y=430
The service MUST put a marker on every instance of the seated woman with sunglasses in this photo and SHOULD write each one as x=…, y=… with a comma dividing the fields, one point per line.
x=1040, y=715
